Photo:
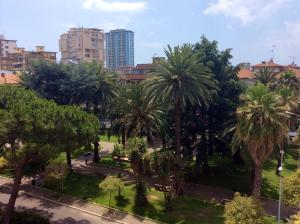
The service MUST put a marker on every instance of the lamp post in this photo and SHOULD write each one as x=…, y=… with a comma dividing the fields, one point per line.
x=280, y=184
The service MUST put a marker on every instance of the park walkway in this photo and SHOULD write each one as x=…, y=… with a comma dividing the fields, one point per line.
x=202, y=192
x=62, y=209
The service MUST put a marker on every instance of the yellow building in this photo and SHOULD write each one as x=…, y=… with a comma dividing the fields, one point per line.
x=82, y=45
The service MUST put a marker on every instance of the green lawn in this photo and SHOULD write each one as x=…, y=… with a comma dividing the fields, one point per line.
x=112, y=139
x=109, y=161
x=225, y=174
x=186, y=210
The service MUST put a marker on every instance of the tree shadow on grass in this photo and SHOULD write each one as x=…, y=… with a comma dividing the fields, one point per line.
x=121, y=201
x=268, y=190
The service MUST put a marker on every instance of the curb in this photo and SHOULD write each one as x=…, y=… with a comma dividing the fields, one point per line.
x=99, y=205
x=82, y=210
x=69, y=206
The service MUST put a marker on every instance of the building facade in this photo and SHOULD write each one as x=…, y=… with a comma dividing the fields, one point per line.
x=7, y=46
x=247, y=73
x=119, y=48
x=139, y=72
x=82, y=45
x=20, y=59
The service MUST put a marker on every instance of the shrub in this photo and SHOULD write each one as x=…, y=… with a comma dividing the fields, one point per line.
x=137, y=144
x=295, y=219
x=55, y=174
x=291, y=190
x=117, y=151
x=243, y=210
x=3, y=163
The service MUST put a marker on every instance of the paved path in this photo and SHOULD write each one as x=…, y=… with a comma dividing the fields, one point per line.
x=202, y=192
x=61, y=209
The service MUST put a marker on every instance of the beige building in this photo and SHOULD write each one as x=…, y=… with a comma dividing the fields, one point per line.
x=19, y=59
x=82, y=45
x=7, y=46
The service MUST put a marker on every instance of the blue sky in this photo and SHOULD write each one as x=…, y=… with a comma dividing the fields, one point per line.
x=250, y=27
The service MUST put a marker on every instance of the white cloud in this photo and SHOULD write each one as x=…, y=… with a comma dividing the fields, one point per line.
x=115, y=6
x=246, y=11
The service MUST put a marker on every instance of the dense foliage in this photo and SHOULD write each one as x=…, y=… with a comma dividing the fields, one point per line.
x=33, y=131
x=243, y=210
x=291, y=190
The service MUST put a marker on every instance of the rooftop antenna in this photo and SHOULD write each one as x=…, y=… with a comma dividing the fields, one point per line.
x=293, y=59
x=273, y=51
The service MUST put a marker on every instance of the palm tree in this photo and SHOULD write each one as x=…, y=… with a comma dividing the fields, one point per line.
x=262, y=125
x=265, y=75
x=178, y=80
x=288, y=79
x=138, y=116
x=93, y=88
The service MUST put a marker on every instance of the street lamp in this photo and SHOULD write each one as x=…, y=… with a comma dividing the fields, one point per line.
x=280, y=184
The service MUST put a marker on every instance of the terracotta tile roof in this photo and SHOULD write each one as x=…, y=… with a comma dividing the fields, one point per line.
x=245, y=74
x=267, y=64
x=9, y=79
x=144, y=66
x=294, y=70
x=128, y=77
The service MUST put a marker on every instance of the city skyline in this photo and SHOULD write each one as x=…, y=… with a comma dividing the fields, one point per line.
x=256, y=29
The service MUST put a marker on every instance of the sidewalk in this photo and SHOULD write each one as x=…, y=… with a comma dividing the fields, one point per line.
x=80, y=208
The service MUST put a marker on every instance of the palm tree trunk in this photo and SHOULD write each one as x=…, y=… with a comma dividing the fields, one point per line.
x=69, y=160
x=13, y=196
x=257, y=181
x=96, y=158
x=177, y=128
x=123, y=136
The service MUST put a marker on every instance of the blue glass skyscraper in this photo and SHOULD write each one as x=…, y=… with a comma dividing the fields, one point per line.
x=119, y=48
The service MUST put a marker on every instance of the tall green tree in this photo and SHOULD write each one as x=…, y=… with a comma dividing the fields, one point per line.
x=47, y=78
x=75, y=128
x=29, y=133
x=137, y=115
x=207, y=124
x=179, y=80
x=262, y=125
x=92, y=87
x=87, y=85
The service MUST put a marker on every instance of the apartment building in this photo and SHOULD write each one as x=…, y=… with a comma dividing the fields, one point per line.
x=19, y=59
x=7, y=46
x=119, y=46
x=82, y=45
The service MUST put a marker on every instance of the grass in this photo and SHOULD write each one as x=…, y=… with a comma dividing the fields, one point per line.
x=185, y=210
x=110, y=162
x=112, y=139
x=7, y=173
x=224, y=173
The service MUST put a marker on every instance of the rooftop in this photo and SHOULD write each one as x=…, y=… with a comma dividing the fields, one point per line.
x=9, y=79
